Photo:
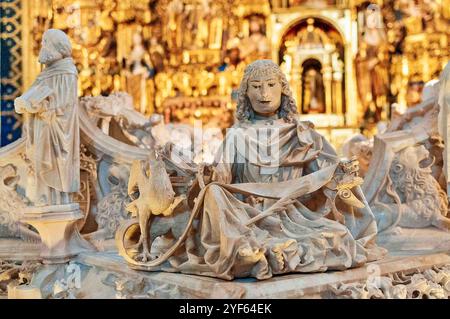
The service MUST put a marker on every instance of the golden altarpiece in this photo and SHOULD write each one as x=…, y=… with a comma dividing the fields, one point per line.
x=184, y=58
x=352, y=66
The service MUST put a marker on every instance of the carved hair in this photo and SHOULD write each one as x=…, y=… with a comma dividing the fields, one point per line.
x=59, y=41
x=416, y=186
x=288, y=108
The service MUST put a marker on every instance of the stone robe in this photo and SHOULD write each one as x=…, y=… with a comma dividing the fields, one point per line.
x=52, y=130
x=305, y=237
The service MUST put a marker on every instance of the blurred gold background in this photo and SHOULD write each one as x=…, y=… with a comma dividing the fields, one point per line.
x=348, y=62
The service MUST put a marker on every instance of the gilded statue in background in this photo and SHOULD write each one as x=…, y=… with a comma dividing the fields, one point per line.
x=256, y=45
x=314, y=92
x=371, y=65
x=139, y=73
x=193, y=35
x=173, y=29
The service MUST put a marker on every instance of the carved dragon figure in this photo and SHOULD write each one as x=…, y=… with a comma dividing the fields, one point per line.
x=156, y=197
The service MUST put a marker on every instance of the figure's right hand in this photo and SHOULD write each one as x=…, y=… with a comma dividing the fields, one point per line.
x=21, y=105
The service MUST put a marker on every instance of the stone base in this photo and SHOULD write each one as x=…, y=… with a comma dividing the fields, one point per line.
x=24, y=292
x=106, y=276
x=19, y=250
x=415, y=241
x=60, y=237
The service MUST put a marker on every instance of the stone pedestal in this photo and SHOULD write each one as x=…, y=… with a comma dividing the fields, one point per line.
x=24, y=292
x=56, y=225
x=103, y=271
x=415, y=241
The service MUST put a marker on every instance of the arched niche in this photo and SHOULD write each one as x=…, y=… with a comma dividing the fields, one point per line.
x=317, y=45
x=312, y=98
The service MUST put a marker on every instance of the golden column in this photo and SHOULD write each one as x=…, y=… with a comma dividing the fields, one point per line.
x=327, y=82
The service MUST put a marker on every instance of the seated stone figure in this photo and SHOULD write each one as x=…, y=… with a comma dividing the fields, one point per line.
x=278, y=200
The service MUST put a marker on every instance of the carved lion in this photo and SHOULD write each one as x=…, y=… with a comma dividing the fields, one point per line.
x=423, y=202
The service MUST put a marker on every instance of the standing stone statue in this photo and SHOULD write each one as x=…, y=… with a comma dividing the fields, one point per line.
x=50, y=109
x=51, y=123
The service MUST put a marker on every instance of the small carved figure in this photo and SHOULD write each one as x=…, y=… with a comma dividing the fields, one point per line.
x=51, y=128
x=10, y=205
x=360, y=147
x=256, y=45
x=156, y=197
x=139, y=74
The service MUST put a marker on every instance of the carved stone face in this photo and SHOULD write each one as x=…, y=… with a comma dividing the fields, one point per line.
x=413, y=156
x=264, y=93
x=48, y=53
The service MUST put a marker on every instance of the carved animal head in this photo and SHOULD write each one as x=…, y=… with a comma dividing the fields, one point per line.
x=119, y=175
x=407, y=171
x=360, y=147
x=414, y=182
x=8, y=177
x=124, y=99
x=99, y=106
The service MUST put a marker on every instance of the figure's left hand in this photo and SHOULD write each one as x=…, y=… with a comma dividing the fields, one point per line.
x=350, y=166
x=47, y=115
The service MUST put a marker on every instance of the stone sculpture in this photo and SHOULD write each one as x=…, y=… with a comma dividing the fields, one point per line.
x=297, y=209
x=429, y=284
x=443, y=120
x=115, y=116
x=359, y=147
x=111, y=209
x=156, y=197
x=409, y=196
x=51, y=130
x=117, y=106
x=51, y=122
x=405, y=183
x=11, y=206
